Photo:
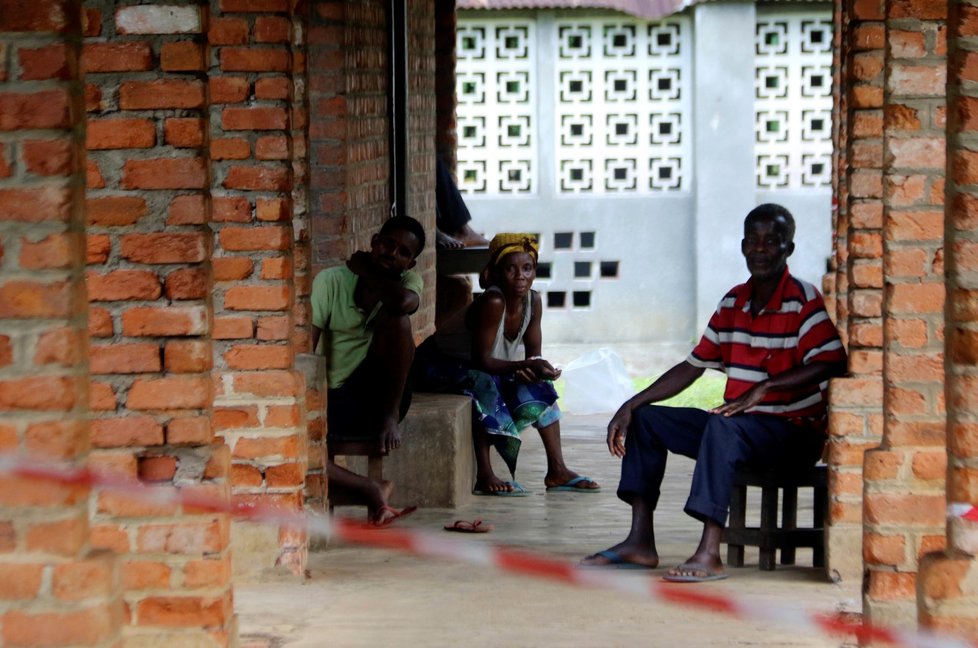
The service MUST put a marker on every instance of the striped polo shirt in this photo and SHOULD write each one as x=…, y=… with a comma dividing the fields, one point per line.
x=792, y=329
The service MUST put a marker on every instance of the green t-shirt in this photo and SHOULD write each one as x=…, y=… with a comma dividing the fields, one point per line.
x=347, y=330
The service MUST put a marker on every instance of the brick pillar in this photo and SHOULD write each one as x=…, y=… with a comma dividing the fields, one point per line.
x=54, y=588
x=855, y=418
x=422, y=35
x=150, y=316
x=259, y=402
x=904, y=495
x=947, y=596
x=835, y=288
x=446, y=137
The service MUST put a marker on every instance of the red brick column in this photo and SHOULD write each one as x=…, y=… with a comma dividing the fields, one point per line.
x=446, y=137
x=150, y=318
x=855, y=420
x=946, y=595
x=349, y=120
x=54, y=589
x=259, y=402
x=904, y=496
x=423, y=108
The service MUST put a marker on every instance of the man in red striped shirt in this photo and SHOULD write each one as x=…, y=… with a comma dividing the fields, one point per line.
x=773, y=338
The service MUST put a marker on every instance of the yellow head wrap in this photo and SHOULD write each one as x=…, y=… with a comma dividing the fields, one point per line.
x=507, y=243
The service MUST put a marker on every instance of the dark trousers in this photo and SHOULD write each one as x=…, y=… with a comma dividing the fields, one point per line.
x=719, y=445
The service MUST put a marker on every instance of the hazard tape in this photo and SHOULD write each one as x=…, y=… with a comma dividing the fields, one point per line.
x=502, y=558
x=964, y=511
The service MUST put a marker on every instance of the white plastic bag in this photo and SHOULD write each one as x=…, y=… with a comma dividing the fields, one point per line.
x=595, y=383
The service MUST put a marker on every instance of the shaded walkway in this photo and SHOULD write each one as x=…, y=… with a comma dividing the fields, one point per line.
x=367, y=597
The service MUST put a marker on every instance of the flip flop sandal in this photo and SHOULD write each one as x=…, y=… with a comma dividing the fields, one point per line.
x=394, y=515
x=464, y=526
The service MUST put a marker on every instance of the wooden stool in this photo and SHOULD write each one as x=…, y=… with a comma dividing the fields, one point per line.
x=375, y=464
x=769, y=537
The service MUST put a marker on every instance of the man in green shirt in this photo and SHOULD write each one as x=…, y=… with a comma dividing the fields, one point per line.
x=360, y=322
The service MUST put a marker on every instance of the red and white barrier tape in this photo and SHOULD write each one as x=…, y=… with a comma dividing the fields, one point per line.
x=502, y=558
x=965, y=511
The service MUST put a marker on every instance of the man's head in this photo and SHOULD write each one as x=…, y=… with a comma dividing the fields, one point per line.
x=769, y=232
x=398, y=243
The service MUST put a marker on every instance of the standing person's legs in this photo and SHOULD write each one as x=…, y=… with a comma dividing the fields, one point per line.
x=654, y=432
x=727, y=443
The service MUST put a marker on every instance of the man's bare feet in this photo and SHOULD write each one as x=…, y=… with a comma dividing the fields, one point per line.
x=468, y=237
x=380, y=495
x=564, y=478
x=622, y=555
x=445, y=242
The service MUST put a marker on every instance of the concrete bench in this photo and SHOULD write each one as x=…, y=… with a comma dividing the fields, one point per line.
x=435, y=465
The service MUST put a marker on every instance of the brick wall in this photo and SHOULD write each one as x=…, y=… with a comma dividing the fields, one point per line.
x=55, y=588
x=422, y=110
x=156, y=249
x=947, y=599
x=259, y=406
x=149, y=287
x=855, y=417
x=904, y=499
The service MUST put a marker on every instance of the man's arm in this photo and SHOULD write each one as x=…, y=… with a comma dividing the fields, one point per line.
x=666, y=386
x=397, y=299
x=795, y=378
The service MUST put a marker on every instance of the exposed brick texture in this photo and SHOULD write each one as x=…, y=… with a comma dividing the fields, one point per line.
x=55, y=589
x=254, y=46
x=945, y=602
x=151, y=352
x=912, y=238
x=855, y=419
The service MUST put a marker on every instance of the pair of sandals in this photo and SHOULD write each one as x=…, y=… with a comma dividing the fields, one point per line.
x=517, y=490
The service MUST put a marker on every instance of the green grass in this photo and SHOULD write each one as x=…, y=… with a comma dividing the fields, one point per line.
x=705, y=393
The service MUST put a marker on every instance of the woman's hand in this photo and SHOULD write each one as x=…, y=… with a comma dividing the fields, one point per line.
x=540, y=369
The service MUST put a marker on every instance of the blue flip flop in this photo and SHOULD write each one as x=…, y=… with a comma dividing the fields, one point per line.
x=615, y=561
x=518, y=491
x=570, y=486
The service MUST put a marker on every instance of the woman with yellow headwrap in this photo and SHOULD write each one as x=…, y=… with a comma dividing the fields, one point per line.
x=490, y=351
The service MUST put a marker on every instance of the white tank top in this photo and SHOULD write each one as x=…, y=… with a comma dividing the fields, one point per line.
x=454, y=339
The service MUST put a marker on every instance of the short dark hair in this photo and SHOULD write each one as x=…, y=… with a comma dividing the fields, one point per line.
x=407, y=224
x=771, y=211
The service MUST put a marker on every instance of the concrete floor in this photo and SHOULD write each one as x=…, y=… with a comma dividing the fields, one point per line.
x=369, y=597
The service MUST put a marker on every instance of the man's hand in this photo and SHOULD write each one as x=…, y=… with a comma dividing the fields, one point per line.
x=359, y=263
x=747, y=400
x=617, y=429
x=390, y=435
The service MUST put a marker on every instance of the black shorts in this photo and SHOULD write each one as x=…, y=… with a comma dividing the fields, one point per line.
x=352, y=412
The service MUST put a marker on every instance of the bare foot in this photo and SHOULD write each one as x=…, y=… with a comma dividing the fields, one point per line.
x=469, y=237
x=445, y=242
x=491, y=484
x=564, y=477
x=379, y=497
x=623, y=554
